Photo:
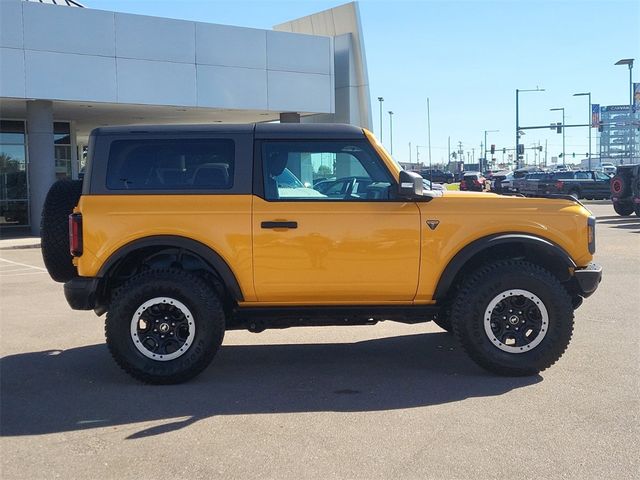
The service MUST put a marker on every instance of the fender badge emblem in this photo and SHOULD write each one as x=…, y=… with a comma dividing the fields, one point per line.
x=433, y=224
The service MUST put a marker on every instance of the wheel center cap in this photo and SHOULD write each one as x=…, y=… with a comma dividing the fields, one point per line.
x=514, y=320
x=164, y=327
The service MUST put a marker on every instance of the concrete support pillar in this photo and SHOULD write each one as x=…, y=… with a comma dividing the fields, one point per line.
x=42, y=169
x=300, y=165
x=289, y=117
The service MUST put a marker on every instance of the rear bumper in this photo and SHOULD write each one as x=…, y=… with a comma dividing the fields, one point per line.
x=588, y=279
x=80, y=292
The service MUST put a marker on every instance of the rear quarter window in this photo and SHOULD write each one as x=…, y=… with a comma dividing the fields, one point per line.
x=171, y=164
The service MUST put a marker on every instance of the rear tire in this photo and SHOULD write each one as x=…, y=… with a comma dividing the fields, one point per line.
x=575, y=194
x=535, y=329
x=164, y=326
x=623, y=209
x=63, y=196
x=444, y=322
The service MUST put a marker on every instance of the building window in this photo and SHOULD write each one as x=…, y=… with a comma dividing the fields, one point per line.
x=62, y=149
x=14, y=190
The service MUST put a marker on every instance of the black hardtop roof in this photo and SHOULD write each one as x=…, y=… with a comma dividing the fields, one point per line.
x=262, y=130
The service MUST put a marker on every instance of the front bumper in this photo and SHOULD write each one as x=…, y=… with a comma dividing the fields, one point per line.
x=588, y=279
x=81, y=292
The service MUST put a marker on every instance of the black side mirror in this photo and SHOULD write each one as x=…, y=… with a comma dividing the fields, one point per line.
x=411, y=185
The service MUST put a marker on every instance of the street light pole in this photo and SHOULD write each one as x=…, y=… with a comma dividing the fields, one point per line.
x=564, y=154
x=589, y=122
x=629, y=62
x=391, y=130
x=484, y=153
x=380, y=100
x=429, y=139
x=517, y=119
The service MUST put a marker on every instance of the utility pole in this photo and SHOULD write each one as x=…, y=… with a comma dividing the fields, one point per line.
x=545, y=153
x=391, y=130
x=380, y=99
x=448, y=151
x=429, y=139
x=409, y=154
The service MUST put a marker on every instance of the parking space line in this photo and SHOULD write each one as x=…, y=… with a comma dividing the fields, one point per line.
x=22, y=264
x=20, y=274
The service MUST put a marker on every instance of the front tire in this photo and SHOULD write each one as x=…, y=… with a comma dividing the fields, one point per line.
x=164, y=326
x=623, y=209
x=513, y=318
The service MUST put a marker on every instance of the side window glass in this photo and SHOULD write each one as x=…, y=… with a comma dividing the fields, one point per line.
x=323, y=170
x=172, y=164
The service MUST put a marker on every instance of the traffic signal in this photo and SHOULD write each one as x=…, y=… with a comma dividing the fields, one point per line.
x=493, y=149
x=560, y=156
x=539, y=148
x=504, y=150
x=558, y=127
x=574, y=154
x=520, y=149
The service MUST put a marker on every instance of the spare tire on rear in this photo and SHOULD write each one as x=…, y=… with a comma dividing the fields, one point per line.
x=620, y=186
x=63, y=196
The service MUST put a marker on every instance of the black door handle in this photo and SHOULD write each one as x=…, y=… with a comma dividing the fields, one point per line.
x=279, y=224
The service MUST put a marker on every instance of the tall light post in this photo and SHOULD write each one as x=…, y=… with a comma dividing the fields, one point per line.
x=484, y=154
x=380, y=100
x=629, y=62
x=518, y=120
x=589, y=122
x=391, y=130
x=564, y=154
x=429, y=138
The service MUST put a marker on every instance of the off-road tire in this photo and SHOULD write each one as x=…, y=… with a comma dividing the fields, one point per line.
x=575, y=194
x=636, y=209
x=444, y=322
x=63, y=196
x=187, y=288
x=623, y=209
x=487, y=282
x=620, y=186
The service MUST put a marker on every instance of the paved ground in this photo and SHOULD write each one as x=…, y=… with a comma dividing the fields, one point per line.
x=390, y=401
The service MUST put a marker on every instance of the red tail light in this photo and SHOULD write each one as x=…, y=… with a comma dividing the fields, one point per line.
x=75, y=234
x=476, y=182
x=559, y=185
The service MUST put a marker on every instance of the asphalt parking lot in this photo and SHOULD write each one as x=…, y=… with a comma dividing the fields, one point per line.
x=388, y=401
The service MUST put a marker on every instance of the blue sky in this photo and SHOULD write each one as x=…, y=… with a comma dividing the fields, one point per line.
x=468, y=58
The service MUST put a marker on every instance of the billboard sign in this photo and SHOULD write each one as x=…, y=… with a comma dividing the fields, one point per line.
x=636, y=97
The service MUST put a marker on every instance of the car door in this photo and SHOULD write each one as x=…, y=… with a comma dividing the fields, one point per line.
x=602, y=185
x=311, y=248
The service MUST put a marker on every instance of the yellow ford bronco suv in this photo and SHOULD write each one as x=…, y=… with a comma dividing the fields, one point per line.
x=179, y=233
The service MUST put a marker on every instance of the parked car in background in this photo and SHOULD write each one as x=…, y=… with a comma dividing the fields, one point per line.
x=579, y=184
x=625, y=190
x=432, y=186
x=496, y=180
x=608, y=168
x=519, y=175
x=472, y=181
x=437, y=176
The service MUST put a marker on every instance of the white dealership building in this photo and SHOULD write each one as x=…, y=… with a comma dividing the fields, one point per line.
x=66, y=69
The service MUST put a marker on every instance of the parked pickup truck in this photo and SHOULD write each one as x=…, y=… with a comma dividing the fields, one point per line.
x=579, y=184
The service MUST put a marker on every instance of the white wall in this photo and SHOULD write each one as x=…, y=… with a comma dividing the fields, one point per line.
x=63, y=53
